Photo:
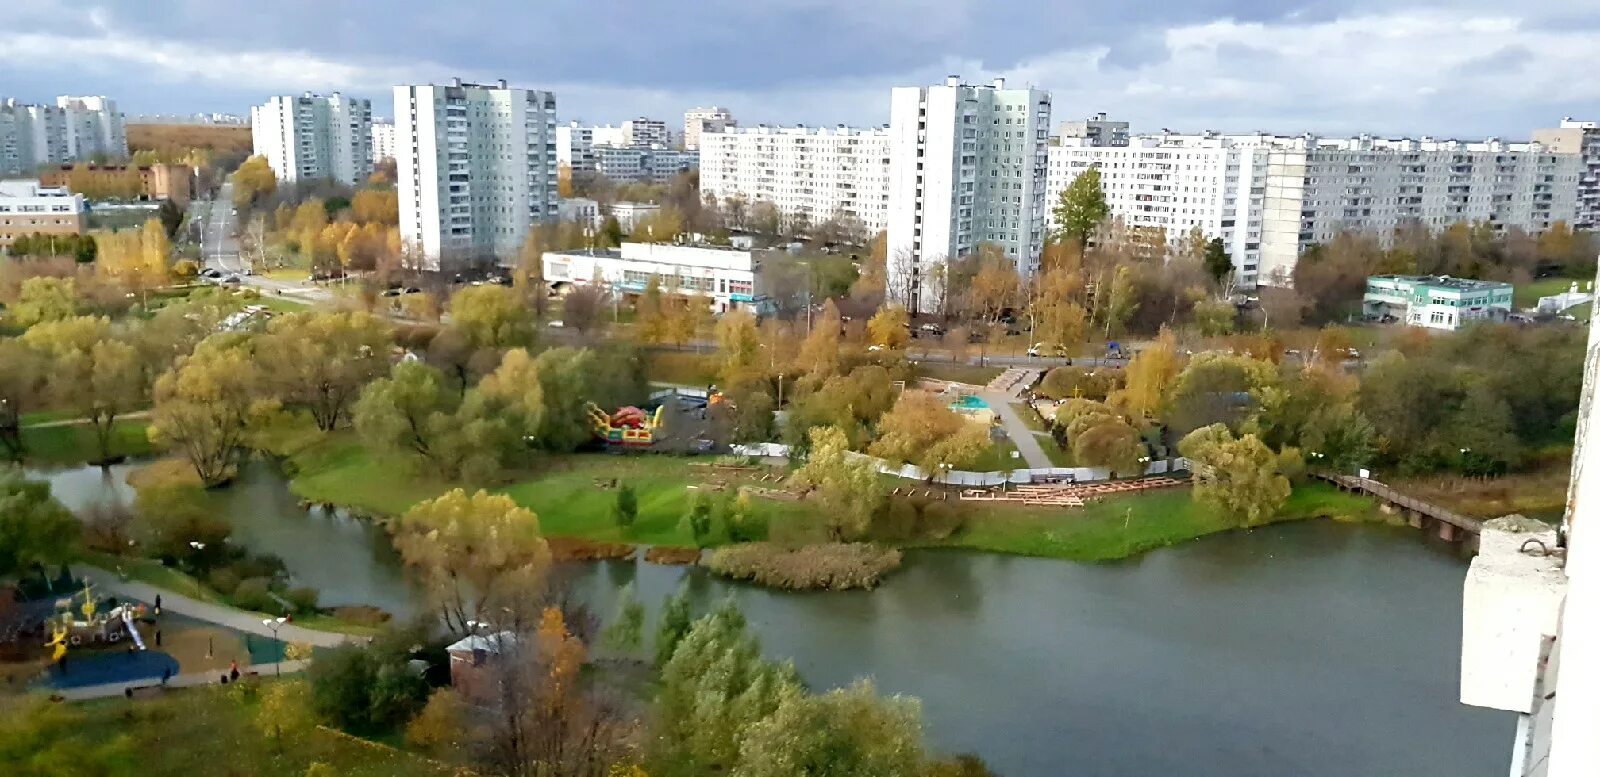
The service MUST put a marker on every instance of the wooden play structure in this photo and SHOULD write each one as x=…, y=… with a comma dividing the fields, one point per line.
x=1067, y=494
x=94, y=627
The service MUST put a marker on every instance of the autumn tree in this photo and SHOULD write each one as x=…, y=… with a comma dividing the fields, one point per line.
x=850, y=403
x=1218, y=387
x=846, y=488
x=1081, y=209
x=45, y=299
x=322, y=361
x=376, y=206
x=1238, y=476
x=715, y=688
x=253, y=182
x=1059, y=319
x=474, y=553
x=408, y=414
x=846, y=731
x=890, y=327
x=819, y=353
x=1150, y=376
x=1121, y=301
x=35, y=530
x=99, y=377
x=872, y=284
x=283, y=714
x=1214, y=317
x=994, y=287
x=206, y=406
x=1218, y=264
x=921, y=429
x=1110, y=443
x=738, y=344
x=440, y=728
x=24, y=385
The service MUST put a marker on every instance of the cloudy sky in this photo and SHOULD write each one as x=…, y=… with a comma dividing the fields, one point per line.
x=1443, y=67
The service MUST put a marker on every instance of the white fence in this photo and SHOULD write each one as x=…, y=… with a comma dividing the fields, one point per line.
x=964, y=478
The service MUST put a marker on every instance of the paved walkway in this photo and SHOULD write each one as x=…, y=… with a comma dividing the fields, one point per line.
x=1020, y=434
x=238, y=620
x=107, y=690
x=130, y=416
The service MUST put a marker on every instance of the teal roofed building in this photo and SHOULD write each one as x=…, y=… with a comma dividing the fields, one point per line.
x=1435, y=301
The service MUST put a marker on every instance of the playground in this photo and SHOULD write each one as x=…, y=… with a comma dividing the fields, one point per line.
x=674, y=420
x=63, y=633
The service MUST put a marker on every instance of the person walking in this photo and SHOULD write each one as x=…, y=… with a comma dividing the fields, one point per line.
x=233, y=670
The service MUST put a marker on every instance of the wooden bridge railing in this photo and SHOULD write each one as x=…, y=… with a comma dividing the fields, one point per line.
x=1398, y=499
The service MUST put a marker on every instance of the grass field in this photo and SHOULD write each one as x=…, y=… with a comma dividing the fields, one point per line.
x=1527, y=295
x=75, y=444
x=1118, y=527
x=207, y=730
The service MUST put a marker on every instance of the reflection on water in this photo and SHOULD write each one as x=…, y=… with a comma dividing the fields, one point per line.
x=1314, y=650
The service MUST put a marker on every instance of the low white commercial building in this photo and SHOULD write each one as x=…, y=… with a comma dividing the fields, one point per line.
x=74, y=129
x=315, y=136
x=581, y=210
x=1175, y=183
x=27, y=209
x=1435, y=301
x=726, y=277
x=382, y=141
x=1581, y=138
x=701, y=120
x=629, y=214
x=820, y=173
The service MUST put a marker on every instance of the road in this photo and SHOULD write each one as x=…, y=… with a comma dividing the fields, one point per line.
x=219, y=248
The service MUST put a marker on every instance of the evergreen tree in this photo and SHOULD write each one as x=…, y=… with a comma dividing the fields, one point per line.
x=1081, y=208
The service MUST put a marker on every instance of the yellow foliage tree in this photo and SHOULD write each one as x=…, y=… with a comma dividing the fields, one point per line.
x=890, y=327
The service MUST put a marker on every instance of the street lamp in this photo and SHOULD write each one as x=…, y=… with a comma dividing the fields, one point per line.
x=275, y=624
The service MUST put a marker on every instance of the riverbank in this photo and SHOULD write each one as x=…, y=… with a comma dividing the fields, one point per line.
x=573, y=497
x=57, y=444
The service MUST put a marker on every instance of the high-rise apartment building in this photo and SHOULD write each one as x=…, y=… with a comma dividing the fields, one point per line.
x=1581, y=138
x=967, y=166
x=697, y=121
x=576, y=143
x=1097, y=130
x=814, y=173
x=74, y=129
x=314, y=136
x=1176, y=183
x=1318, y=187
x=1272, y=197
x=476, y=166
x=382, y=140
x=645, y=132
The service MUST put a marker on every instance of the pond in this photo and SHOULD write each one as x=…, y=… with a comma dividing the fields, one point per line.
x=1312, y=649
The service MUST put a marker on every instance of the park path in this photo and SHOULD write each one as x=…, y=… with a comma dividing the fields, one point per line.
x=108, y=690
x=131, y=416
x=238, y=620
x=1027, y=444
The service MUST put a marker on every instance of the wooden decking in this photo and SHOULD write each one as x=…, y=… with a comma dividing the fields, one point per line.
x=1068, y=494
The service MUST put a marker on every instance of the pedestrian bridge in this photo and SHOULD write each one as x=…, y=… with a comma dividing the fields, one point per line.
x=1451, y=525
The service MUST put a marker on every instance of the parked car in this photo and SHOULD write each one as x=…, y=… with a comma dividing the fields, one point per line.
x=232, y=280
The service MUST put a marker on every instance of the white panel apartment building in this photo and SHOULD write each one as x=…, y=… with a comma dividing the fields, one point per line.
x=820, y=172
x=1318, y=187
x=631, y=164
x=967, y=166
x=1176, y=183
x=1582, y=138
x=74, y=129
x=314, y=136
x=382, y=140
x=700, y=120
x=476, y=167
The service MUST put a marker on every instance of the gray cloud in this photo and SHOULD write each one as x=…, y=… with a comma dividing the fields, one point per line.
x=1469, y=67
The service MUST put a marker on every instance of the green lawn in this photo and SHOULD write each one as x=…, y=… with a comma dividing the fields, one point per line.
x=1117, y=527
x=338, y=470
x=1527, y=295
x=997, y=458
x=75, y=444
x=206, y=730
x=151, y=571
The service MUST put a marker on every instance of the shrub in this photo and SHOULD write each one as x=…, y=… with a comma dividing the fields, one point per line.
x=896, y=521
x=223, y=580
x=303, y=599
x=578, y=549
x=262, y=565
x=939, y=520
x=254, y=594
x=662, y=554
x=833, y=566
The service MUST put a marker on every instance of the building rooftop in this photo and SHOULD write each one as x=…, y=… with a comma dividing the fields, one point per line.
x=1445, y=282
